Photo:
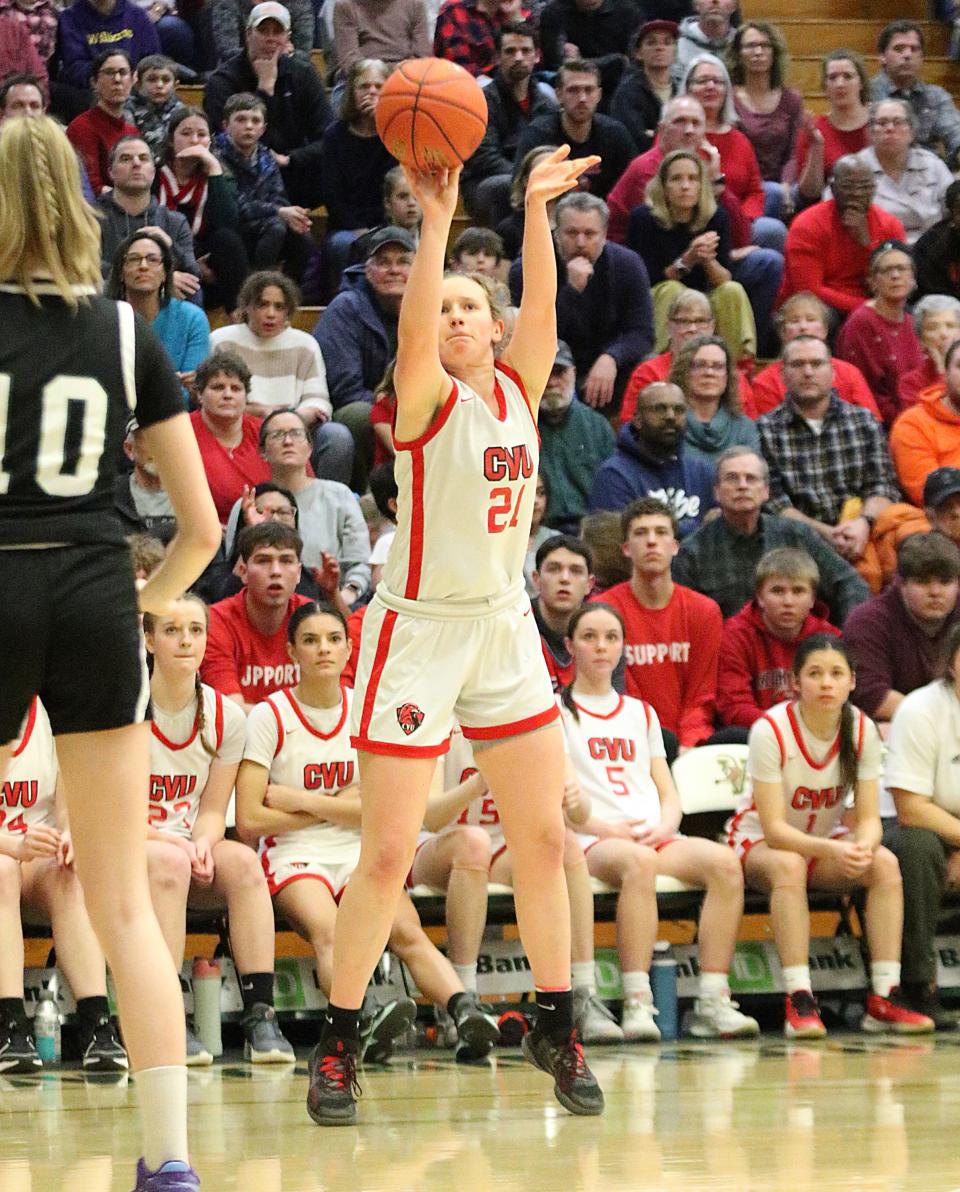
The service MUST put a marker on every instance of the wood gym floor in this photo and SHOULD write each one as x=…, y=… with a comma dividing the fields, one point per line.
x=878, y=1115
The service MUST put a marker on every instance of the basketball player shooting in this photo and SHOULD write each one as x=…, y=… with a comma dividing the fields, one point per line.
x=449, y=632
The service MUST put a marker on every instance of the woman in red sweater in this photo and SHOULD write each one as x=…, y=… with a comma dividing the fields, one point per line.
x=707, y=80
x=840, y=131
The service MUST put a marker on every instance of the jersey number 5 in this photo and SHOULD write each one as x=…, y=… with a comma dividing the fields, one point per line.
x=504, y=510
x=68, y=405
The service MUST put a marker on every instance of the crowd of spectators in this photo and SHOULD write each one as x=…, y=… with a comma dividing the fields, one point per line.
x=758, y=311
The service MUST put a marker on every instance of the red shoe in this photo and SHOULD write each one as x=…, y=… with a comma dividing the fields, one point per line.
x=893, y=1014
x=802, y=1017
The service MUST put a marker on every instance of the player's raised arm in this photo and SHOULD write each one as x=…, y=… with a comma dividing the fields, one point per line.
x=421, y=382
x=534, y=344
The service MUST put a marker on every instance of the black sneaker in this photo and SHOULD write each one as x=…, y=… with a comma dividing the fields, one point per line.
x=331, y=1099
x=102, y=1049
x=575, y=1086
x=263, y=1040
x=18, y=1052
x=477, y=1029
x=925, y=999
x=381, y=1024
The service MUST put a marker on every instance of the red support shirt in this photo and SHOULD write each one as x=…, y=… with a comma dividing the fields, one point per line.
x=671, y=657
x=240, y=660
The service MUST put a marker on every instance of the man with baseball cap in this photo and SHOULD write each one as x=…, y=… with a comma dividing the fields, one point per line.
x=297, y=108
x=647, y=82
x=357, y=334
x=574, y=442
x=941, y=502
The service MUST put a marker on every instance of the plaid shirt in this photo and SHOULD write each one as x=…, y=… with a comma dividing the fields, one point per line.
x=465, y=35
x=40, y=22
x=817, y=473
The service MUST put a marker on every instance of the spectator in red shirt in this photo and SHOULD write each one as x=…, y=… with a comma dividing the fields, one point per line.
x=671, y=633
x=247, y=657
x=467, y=29
x=805, y=314
x=229, y=438
x=842, y=129
x=17, y=49
x=563, y=577
x=759, y=643
x=829, y=244
x=94, y=133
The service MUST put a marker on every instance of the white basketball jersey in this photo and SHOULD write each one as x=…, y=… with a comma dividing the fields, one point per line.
x=180, y=764
x=611, y=745
x=312, y=752
x=782, y=749
x=30, y=783
x=465, y=497
x=458, y=765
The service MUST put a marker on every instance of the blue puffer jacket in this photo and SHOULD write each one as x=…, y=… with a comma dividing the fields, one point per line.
x=260, y=189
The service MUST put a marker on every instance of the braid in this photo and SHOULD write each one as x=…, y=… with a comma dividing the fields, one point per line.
x=847, y=756
x=566, y=698
x=50, y=208
x=201, y=721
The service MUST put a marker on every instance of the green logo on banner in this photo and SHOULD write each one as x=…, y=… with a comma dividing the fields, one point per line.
x=287, y=987
x=750, y=971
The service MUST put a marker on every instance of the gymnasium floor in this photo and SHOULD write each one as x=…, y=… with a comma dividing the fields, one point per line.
x=867, y=1114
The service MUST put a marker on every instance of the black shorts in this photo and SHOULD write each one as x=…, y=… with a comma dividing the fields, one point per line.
x=69, y=632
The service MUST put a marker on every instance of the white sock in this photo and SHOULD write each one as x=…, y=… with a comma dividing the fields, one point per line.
x=884, y=976
x=583, y=975
x=796, y=977
x=468, y=976
x=714, y=985
x=162, y=1093
x=636, y=985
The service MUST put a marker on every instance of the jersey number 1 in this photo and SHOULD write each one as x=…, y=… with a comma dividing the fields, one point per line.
x=56, y=399
x=504, y=510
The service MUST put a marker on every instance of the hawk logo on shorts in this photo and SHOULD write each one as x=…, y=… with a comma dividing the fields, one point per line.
x=409, y=717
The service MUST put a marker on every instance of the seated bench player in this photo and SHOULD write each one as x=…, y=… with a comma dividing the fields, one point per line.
x=298, y=795
x=38, y=880
x=196, y=745
x=463, y=848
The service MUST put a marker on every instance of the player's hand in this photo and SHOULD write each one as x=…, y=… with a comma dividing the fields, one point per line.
x=65, y=851
x=953, y=869
x=576, y=805
x=553, y=176
x=651, y=836
x=854, y=859
x=202, y=866
x=621, y=830
x=281, y=798
x=327, y=575
x=39, y=840
x=601, y=379
x=436, y=192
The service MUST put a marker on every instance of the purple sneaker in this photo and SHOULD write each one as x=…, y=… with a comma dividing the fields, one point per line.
x=173, y=1176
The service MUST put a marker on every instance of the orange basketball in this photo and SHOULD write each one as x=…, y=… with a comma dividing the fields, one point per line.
x=431, y=114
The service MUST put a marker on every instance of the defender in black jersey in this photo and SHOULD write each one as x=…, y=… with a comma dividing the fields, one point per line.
x=73, y=367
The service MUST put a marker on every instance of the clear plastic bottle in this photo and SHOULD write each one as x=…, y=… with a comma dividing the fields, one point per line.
x=46, y=1028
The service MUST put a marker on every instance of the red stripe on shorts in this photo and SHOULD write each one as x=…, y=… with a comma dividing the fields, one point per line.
x=513, y=729
x=376, y=673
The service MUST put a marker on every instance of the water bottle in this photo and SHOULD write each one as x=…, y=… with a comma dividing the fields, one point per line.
x=206, y=1004
x=663, y=983
x=46, y=1028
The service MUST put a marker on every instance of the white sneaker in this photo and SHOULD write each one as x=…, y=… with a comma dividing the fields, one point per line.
x=637, y=1021
x=720, y=1018
x=594, y=1022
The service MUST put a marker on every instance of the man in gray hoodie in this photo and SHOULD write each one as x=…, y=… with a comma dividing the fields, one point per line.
x=709, y=32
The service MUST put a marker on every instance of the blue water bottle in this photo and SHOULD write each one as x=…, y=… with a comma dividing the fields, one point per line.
x=663, y=983
x=46, y=1028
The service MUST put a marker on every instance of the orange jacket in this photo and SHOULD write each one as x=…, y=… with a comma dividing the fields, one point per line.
x=924, y=438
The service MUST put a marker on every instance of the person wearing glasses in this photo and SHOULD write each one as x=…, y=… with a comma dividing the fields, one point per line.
x=142, y=274
x=704, y=371
x=879, y=337
x=94, y=132
x=336, y=545
x=911, y=182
